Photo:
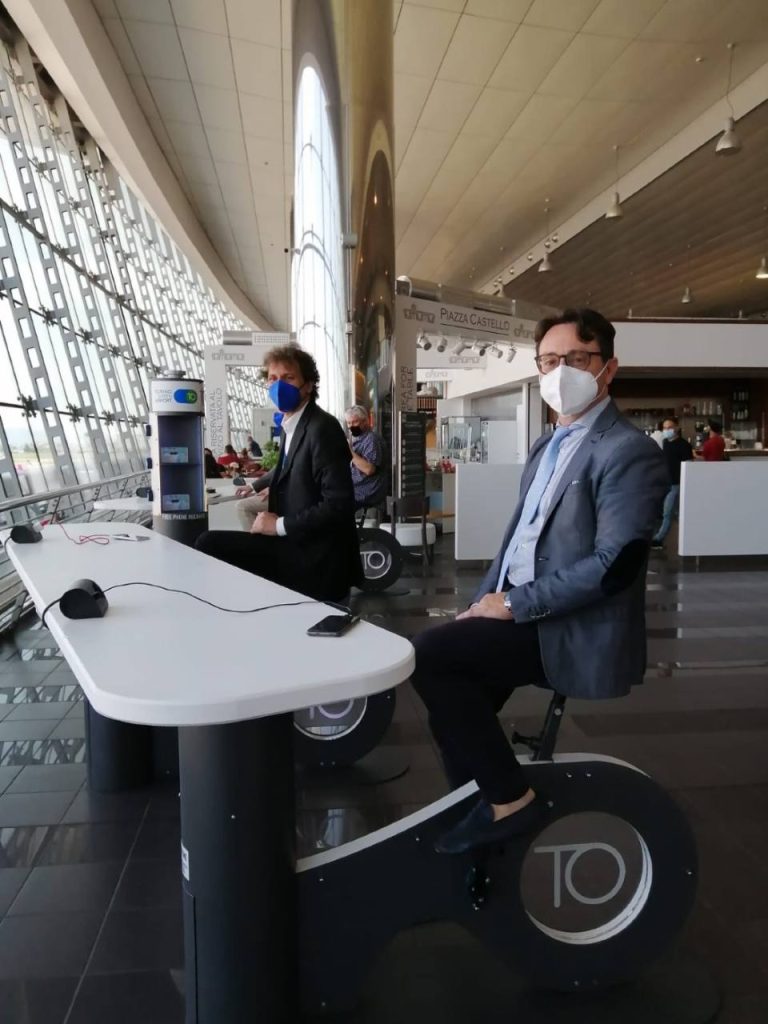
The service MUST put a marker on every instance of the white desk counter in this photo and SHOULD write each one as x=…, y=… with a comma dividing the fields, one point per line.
x=157, y=658
x=160, y=658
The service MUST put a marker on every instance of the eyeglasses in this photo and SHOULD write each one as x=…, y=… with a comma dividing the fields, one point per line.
x=578, y=358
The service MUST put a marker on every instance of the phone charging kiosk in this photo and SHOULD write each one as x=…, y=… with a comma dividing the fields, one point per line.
x=177, y=460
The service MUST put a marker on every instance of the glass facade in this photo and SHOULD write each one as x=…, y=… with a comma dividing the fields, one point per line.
x=94, y=299
x=318, y=281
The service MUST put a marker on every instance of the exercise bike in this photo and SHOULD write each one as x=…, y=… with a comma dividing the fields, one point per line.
x=381, y=555
x=588, y=900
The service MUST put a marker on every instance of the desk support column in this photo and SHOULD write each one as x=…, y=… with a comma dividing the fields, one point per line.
x=119, y=755
x=238, y=866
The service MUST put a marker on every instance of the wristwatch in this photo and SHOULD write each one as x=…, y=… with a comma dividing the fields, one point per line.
x=508, y=600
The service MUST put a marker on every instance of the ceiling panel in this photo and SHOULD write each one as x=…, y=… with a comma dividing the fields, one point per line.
x=448, y=105
x=226, y=146
x=175, y=100
x=258, y=69
x=258, y=22
x=556, y=14
x=582, y=65
x=621, y=19
x=218, y=107
x=157, y=49
x=261, y=117
x=203, y=15
x=528, y=59
x=495, y=112
x=421, y=39
x=506, y=10
x=208, y=57
x=483, y=38
x=157, y=11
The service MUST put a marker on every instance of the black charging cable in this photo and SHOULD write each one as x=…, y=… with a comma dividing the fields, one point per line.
x=203, y=600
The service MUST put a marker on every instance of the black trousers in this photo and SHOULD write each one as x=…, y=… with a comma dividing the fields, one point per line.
x=465, y=671
x=273, y=558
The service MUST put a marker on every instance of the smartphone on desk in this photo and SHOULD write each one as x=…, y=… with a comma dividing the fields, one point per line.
x=333, y=625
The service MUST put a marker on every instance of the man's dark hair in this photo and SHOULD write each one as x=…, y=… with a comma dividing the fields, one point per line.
x=671, y=419
x=292, y=355
x=715, y=426
x=590, y=326
x=229, y=449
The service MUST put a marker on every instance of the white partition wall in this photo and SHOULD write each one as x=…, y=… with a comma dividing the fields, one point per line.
x=724, y=508
x=486, y=497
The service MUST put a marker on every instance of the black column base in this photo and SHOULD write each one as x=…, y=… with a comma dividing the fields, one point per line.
x=238, y=827
x=118, y=754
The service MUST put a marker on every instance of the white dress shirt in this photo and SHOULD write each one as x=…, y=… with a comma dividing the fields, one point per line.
x=522, y=565
x=289, y=424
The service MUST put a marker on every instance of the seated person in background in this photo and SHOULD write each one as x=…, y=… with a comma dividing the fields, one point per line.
x=563, y=605
x=213, y=470
x=713, y=449
x=307, y=540
x=253, y=448
x=229, y=456
x=370, y=472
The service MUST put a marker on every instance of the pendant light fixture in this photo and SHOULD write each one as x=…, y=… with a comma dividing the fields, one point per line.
x=762, y=270
x=546, y=264
x=615, y=211
x=687, y=293
x=729, y=142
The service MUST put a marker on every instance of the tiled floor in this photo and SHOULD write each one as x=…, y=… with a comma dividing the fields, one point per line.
x=90, y=910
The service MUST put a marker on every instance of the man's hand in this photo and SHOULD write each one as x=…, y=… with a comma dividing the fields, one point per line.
x=489, y=607
x=266, y=524
x=243, y=492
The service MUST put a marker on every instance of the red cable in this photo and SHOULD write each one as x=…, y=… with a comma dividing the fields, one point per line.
x=96, y=538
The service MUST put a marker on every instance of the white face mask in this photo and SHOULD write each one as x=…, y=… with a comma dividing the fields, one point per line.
x=568, y=390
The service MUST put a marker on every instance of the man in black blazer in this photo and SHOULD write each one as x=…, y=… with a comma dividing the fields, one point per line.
x=307, y=540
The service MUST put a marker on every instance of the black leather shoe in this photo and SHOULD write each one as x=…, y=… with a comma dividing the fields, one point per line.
x=479, y=829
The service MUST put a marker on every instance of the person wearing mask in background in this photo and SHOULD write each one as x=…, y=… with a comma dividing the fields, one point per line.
x=657, y=435
x=713, y=449
x=563, y=604
x=229, y=456
x=307, y=538
x=253, y=448
x=213, y=470
x=369, y=464
x=676, y=451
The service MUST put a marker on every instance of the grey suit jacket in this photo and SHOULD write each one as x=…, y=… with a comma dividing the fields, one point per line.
x=588, y=596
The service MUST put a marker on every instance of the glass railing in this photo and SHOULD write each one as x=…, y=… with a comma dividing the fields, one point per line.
x=69, y=504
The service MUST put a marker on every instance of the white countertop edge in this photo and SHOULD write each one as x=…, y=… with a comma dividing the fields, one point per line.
x=221, y=711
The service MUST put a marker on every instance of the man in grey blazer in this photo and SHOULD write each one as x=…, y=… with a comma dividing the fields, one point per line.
x=563, y=605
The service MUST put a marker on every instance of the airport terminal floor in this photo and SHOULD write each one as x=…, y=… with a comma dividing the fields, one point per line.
x=90, y=898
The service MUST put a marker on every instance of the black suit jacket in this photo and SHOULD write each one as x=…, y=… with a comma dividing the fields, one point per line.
x=311, y=488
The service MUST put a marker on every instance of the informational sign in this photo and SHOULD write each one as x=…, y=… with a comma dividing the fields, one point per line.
x=413, y=455
x=168, y=396
x=238, y=348
x=464, y=335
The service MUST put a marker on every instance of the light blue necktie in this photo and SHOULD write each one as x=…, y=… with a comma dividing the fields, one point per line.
x=533, y=498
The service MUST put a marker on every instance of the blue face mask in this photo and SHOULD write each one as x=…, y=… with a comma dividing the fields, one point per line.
x=669, y=434
x=285, y=396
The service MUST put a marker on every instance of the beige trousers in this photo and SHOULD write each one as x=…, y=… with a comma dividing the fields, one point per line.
x=248, y=508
